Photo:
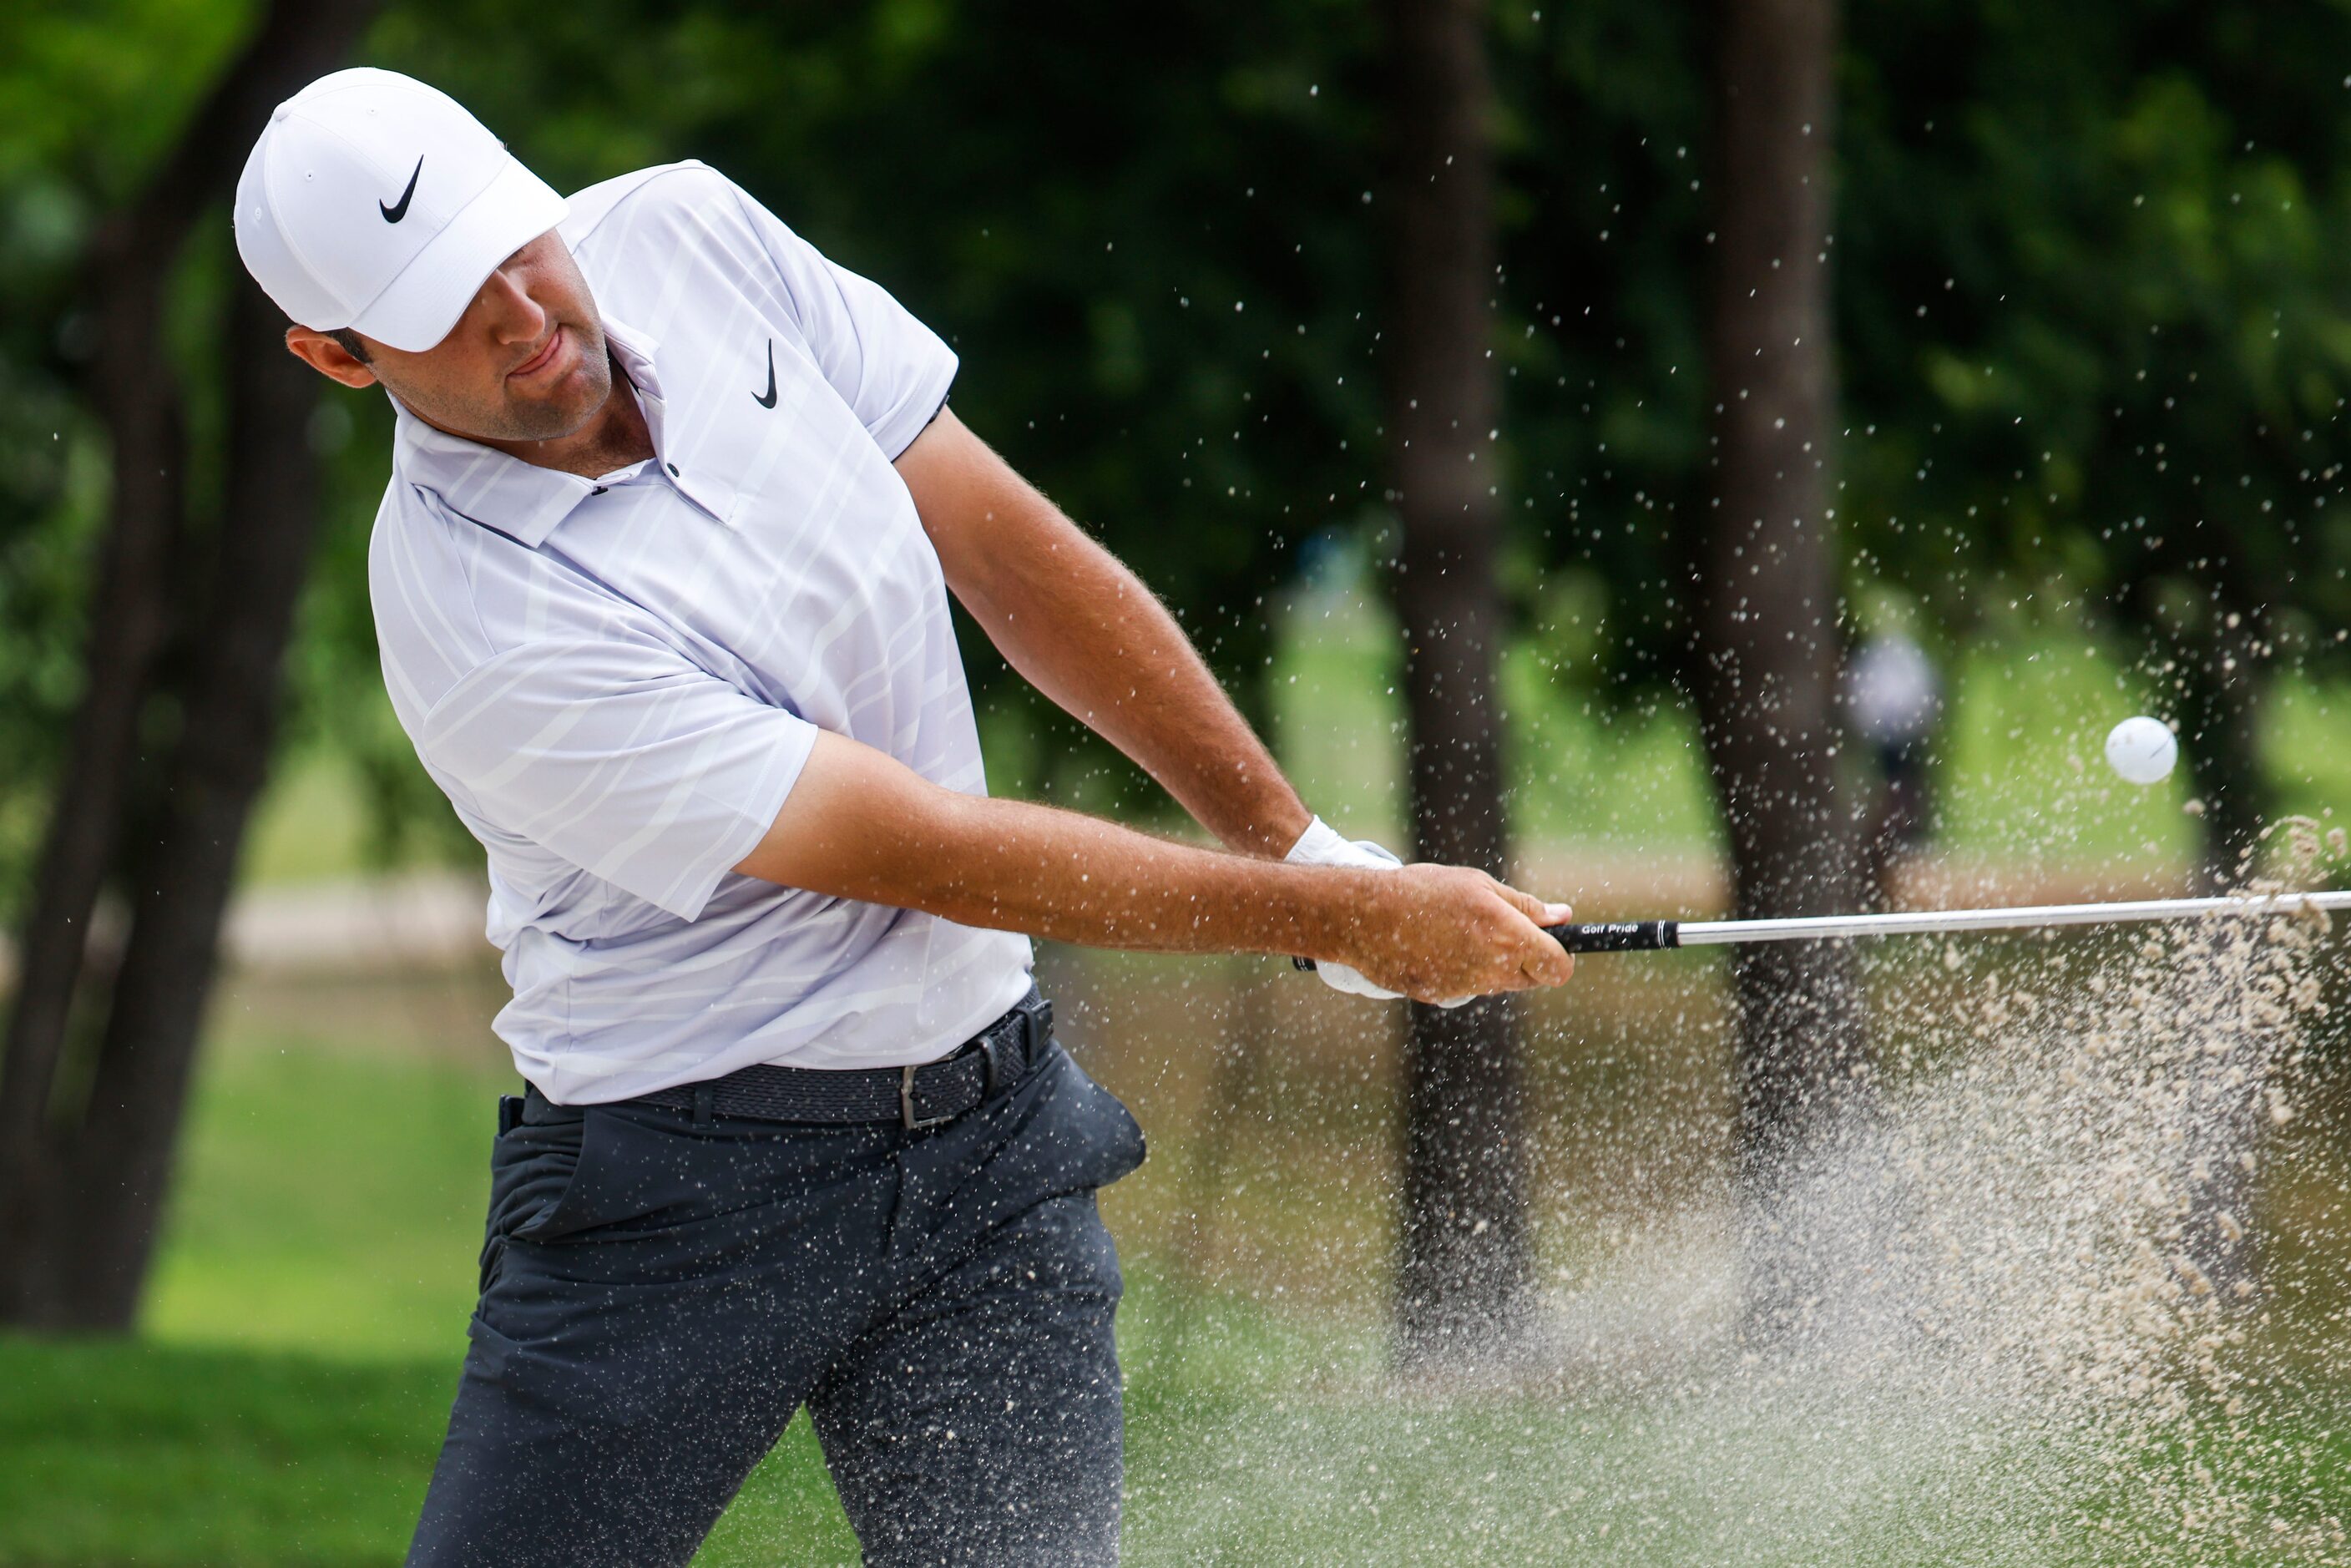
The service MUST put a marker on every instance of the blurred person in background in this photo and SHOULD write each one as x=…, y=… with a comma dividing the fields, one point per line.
x=1894, y=700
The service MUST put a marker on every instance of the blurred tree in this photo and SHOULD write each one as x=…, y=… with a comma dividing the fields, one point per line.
x=1145, y=233
x=1767, y=623
x=1467, y=1259
x=2092, y=342
x=2097, y=337
x=183, y=859
x=81, y=1175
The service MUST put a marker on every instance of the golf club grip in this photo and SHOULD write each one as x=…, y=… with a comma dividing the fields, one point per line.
x=1618, y=935
x=1602, y=936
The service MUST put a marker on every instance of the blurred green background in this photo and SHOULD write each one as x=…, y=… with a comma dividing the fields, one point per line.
x=2090, y=291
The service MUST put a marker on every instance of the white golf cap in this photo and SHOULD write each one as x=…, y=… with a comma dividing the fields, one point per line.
x=374, y=202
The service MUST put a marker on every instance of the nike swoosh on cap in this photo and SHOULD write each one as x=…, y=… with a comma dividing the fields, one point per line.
x=768, y=399
x=398, y=210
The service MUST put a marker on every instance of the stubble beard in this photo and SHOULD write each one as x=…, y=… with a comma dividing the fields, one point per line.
x=583, y=395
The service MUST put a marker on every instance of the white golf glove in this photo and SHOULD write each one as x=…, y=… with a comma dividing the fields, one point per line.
x=1320, y=844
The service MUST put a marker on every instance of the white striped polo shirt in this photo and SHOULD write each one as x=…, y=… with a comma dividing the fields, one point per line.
x=616, y=681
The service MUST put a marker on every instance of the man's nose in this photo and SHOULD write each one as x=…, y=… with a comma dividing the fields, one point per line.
x=514, y=315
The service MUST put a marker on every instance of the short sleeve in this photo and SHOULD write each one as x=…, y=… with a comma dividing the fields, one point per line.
x=622, y=756
x=892, y=369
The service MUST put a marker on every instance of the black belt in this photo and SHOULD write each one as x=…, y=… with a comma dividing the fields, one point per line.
x=914, y=1097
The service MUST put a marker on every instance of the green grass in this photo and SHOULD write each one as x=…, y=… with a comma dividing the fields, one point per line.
x=2310, y=749
x=148, y=1453
x=123, y=1453
x=127, y=1453
x=329, y=1195
x=311, y=823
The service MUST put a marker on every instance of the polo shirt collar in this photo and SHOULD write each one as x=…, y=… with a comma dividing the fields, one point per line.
x=522, y=500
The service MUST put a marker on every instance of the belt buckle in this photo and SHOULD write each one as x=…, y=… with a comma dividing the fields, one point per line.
x=907, y=1117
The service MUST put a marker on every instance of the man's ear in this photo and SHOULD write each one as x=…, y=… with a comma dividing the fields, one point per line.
x=326, y=357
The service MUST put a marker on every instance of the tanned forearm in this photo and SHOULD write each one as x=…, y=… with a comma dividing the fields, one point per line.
x=1082, y=629
x=859, y=824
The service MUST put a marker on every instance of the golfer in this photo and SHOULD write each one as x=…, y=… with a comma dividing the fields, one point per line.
x=661, y=581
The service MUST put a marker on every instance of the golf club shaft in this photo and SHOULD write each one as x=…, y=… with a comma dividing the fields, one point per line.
x=1646, y=936
x=1651, y=936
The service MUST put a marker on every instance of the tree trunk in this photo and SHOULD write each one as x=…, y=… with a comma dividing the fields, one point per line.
x=2223, y=677
x=122, y=1158
x=1464, y=1263
x=130, y=617
x=45, y=1163
x=1767, y=629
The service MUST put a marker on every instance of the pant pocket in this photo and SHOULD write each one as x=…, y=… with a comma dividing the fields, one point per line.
x=534, y=1167
x=1096, y=1137
x=1129, y=1148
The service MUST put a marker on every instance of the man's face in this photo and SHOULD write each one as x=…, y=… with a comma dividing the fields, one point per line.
x=525, y=362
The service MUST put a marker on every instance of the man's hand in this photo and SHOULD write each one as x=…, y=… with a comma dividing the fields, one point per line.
x=859, y=824
x=1320, y=844
x=1443, y=934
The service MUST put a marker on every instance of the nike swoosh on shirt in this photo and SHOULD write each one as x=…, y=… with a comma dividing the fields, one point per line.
x=398, y=210
x=768, y=400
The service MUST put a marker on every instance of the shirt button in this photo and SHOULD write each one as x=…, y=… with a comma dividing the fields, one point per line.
x=673, y=469
x=600, y=489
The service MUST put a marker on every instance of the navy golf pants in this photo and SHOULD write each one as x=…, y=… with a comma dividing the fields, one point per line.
x=659, y=1294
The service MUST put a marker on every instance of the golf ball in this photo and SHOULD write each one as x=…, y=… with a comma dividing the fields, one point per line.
x=2142, y=749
